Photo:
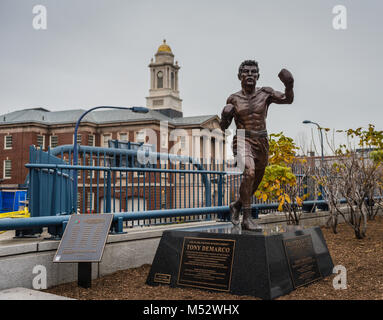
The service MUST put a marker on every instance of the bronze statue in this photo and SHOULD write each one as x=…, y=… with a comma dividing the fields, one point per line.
x=249, y=108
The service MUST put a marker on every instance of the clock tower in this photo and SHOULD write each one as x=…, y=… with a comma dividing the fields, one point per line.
x=163, y=92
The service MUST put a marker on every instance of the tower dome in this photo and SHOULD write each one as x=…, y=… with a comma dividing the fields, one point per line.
x=164, y=48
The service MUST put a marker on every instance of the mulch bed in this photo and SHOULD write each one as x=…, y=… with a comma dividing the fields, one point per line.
x=362, y=258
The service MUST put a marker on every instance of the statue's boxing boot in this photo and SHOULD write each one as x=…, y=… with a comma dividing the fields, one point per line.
x=234, y=213
x=248, y=223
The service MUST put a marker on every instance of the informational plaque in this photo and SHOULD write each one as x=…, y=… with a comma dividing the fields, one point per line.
x=302, y=260
x=84, y=238
x=162, y=278
x=206, y=263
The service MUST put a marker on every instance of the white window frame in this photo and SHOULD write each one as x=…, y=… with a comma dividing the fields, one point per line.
x=4, y=169
x=5, y=142
x=123, y=133
x=88, y=201
x=94, y=140
x=103, y=139
x=137, y=133
x=139, y=175
x=79, y=171
x=101, y=163
x=50, y=140
x=93, y=163
x=182, y=166
x=79, y=137
x=41, y=135
x=78, y=201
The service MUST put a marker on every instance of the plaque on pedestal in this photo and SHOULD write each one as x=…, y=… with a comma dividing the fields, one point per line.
x=224, y=258
x=206, y=263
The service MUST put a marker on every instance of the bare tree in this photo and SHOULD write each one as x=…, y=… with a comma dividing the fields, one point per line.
x=327, y=177
x=355, y=176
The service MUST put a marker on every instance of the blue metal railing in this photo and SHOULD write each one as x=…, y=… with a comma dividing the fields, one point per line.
x=50, y=188
x=171, y=189
x=115, y=168
x=60, y=221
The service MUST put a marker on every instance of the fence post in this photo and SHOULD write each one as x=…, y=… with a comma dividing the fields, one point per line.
x=108, y=196
x=207, y=181
x=221, y=216
x=118, y=226
x=57, y=232
x=33, y=184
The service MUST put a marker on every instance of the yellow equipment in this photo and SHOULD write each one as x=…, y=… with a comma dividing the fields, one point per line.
x=15, y=214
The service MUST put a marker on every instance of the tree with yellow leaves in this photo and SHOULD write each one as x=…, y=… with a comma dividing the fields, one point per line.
x=279, y=183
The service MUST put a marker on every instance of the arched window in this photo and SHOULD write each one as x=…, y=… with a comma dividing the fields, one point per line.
x=172, y=80
x=160, y=79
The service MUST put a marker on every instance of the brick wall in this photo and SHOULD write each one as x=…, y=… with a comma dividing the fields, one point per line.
x=25, y=135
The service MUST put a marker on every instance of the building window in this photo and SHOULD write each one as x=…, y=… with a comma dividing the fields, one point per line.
x=54, y=141
x=105, y=138
x=79, y=171
x=78, y=138
x=172, y=80
x=92, y=164
x=202, y=148
x=78, y=202
x=158, y=102
x=163, y=199
x=7, y=173
x=41, y=141
x=140, y=136
x=138, y=174
x=91, y=140
x=8, y=142
x=90, y=202
x=160, y=80
x=182, y=167
x=123, y=136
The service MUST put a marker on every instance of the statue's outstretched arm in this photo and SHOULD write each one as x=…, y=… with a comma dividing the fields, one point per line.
x=288, y=96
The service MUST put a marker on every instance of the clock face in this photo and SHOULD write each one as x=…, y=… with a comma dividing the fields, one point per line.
x=159, y=74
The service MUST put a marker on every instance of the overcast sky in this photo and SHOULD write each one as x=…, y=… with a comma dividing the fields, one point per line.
x=96, y=52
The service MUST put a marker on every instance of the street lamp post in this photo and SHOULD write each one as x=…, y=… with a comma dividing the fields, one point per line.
x=75, y=147
x=321, y=135
x=321, y=145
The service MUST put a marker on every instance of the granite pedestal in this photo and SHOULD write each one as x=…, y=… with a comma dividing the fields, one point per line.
x=265, y=264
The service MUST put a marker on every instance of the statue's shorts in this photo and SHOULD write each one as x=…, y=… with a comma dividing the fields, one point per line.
x=253, y=147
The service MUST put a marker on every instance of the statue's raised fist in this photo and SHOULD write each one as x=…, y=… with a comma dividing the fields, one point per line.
x=286, y=77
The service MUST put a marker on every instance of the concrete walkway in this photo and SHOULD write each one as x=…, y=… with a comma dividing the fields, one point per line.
x=28, y=294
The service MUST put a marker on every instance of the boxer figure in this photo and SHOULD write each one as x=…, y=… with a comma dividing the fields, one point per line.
x=249, y=108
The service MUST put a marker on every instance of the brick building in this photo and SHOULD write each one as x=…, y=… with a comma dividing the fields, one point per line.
x=43, y=128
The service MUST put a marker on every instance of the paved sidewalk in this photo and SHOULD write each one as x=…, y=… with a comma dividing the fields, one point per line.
x=28, y=294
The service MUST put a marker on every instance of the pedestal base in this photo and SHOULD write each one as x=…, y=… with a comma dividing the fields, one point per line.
x=264, y=264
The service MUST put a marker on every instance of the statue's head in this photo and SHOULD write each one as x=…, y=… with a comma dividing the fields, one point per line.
x=248, y=73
